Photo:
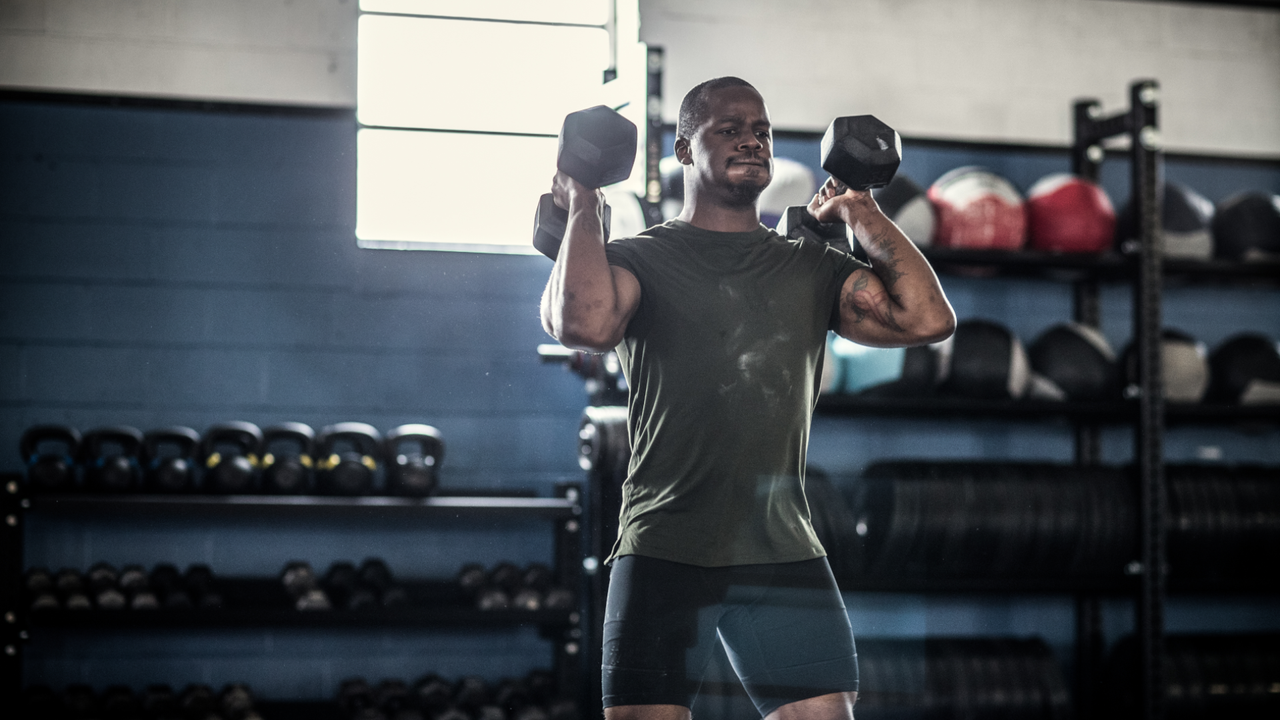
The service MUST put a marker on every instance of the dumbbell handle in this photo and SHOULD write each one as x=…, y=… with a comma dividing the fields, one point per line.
x=550, y=223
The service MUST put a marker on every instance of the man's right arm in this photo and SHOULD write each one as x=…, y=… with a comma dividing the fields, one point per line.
x=587, y=303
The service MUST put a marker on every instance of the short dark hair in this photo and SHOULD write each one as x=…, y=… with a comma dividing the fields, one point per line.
x=696, y=105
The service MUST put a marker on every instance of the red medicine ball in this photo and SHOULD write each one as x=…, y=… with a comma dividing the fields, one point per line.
x=1066, y=213
x=978, y=210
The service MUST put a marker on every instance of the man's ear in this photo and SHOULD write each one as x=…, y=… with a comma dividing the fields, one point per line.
x=682, y=151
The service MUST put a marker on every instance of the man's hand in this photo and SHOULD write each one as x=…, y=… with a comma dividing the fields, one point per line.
x=565, y=190
x=837, y=202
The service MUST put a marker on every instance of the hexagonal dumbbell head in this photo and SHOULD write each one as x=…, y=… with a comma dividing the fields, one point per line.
x=597, y=147
x=861, y=152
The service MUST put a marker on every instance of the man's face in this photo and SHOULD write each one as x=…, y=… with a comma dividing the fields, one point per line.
x=731, y=153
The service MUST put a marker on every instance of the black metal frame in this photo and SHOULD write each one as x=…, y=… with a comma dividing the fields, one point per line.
x=1141, y=124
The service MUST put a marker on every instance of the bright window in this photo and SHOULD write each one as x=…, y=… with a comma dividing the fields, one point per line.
x=460, y=103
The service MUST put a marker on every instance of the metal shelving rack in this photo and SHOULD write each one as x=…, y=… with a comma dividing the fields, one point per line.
x=444, y=609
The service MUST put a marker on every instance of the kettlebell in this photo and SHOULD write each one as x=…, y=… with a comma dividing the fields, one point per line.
x=168, y=455
x=230, y=454
x=347, y=458
x=286, y=458
x=413, y=454
x=110, y=459
x=50, y=453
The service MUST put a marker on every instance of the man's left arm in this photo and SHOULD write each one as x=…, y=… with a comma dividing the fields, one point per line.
x=898, y=301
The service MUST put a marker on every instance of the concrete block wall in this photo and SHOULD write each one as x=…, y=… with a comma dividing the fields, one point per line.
x=165, y=266
x=1001, y=70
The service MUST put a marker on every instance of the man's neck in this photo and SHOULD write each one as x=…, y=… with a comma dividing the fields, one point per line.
x=720, y=218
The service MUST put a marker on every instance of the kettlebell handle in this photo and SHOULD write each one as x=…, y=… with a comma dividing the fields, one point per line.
x=293, y=432
x=128, y=438
x=30, y=441
x=183, y=438
x=244, y=435
x=364, y=437
x=425, y=437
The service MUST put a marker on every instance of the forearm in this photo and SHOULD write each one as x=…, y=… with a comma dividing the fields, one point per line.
x=915, y=299
x=579, y=306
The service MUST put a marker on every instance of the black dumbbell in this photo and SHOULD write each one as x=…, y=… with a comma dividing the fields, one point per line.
x=472, y=577
x=50, y=452
x=355, y=696
x=347, y=458
x=71, y=589
x=535, y=579
x=797, y=223
x=136, y=586
x=859, y=151
x=470, y=693
x=169, y=456
x=392, y=698
x=110, y=459
x=597, y=148
x=235, y=702
x=229, y=452
x=377, y=578
x=340, y=583
x=170, y=590
x=559, y=598
x=200, y=584
x=286, y=458
x=198, y=702
x=104, y=587
x=413, y=453
x=42, y=594
x=375, y=574
x=303, y=588
x=432, y=695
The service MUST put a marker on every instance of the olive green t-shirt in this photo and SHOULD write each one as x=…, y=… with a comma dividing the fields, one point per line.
x=723, y=357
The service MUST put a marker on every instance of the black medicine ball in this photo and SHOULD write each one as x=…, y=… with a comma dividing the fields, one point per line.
x=1185, y=219
x=909, y=207
x=1246, y=226
x=987, y=361
x=1245, y=369
x=1078, y=360
x=1184, y=366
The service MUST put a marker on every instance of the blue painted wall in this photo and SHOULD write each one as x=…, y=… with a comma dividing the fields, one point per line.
x=165, y=266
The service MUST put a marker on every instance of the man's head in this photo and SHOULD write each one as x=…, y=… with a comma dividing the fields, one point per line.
x=725, y=141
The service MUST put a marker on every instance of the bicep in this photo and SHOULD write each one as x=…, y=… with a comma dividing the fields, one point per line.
x=627, y=292
x=866, y=312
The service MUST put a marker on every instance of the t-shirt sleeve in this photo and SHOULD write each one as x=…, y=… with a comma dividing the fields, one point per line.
x=621, y=252
x=840, y=265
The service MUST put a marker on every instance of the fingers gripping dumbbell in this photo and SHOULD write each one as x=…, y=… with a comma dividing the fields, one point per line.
x=862, y=153
x=597, y=148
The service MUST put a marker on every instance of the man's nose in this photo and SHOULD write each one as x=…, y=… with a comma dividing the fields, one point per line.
x=750, y=142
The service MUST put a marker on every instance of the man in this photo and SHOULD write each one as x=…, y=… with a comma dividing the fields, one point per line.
x=720, y=325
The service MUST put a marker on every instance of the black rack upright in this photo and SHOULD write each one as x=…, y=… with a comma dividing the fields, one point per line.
x=1140, y=123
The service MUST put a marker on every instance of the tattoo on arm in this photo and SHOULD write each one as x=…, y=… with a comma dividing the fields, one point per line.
x=886, y=266
x=864, y=301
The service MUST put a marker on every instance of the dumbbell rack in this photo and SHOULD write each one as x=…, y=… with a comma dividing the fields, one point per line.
x=1142, y=264
x=564, y=628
